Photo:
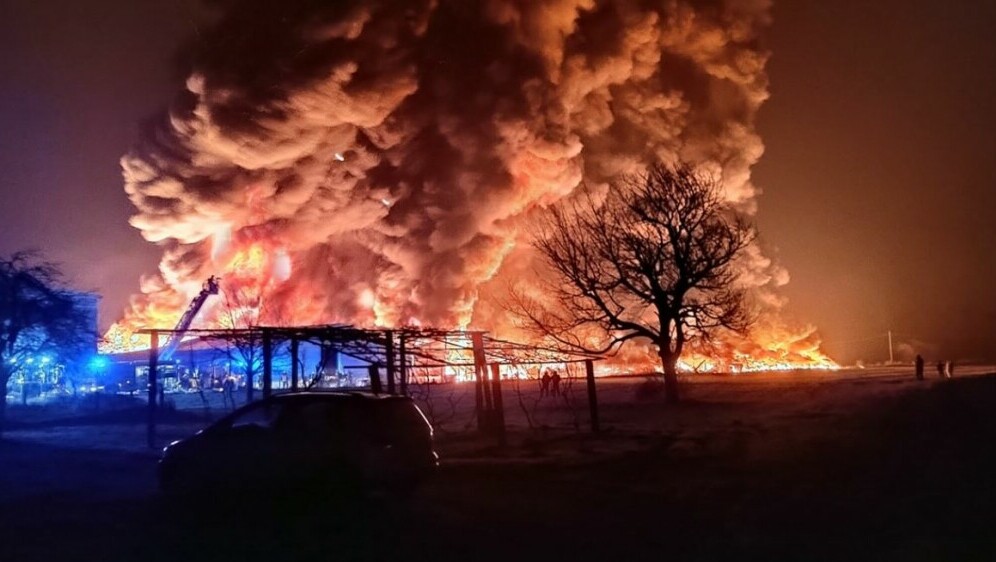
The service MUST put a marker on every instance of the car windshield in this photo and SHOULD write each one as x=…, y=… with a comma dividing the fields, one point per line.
x=379, y=420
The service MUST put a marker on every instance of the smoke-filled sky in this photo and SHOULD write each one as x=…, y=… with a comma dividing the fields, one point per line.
x=877, y=178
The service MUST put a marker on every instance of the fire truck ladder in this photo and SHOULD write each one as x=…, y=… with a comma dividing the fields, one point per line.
x=210, y=288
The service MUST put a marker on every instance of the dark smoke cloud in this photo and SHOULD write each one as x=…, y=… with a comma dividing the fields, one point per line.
x=397, y=149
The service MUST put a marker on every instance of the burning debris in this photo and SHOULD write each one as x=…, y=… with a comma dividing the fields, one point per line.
x=376, y=163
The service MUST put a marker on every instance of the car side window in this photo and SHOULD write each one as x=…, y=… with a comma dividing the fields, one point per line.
x=263, y=415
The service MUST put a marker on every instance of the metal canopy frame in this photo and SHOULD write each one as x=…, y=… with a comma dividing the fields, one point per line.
x=397, y=351
x=427, y=347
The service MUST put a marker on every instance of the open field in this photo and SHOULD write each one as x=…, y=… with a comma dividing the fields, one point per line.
x=868, y=465
x=710, y=402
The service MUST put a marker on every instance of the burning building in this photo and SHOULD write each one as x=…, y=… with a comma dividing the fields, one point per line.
x=378, y=163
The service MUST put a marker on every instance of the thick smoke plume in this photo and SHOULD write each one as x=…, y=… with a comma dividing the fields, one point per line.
x=392, y=153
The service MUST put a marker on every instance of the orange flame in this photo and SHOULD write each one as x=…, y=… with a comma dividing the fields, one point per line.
x=251, y=268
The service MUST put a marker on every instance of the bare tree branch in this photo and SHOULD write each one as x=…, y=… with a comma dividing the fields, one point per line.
x=654, y=260
x=38, y=315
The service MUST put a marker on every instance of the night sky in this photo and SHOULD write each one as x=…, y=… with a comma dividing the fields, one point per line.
x=878, y=176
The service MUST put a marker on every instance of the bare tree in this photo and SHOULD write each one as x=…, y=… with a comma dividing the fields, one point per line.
x=37, y=316
x=244, y=310
x=653, y=260
x=319, y=376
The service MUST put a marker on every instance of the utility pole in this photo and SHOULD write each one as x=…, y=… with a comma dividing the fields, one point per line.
x=150, y=429
x=589, y=372
x=389, y=358
x=294, y=365
x=891, y=359
x=403, y=365
x=267, y=363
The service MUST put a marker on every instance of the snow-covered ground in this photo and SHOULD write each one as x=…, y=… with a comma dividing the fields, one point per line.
x=632, y=410
x=851, y=465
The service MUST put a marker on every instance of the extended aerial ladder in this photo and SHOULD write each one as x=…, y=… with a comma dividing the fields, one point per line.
x=210, y=288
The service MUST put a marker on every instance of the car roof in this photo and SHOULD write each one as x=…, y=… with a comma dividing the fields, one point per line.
x=334, y=395
x=311, y=396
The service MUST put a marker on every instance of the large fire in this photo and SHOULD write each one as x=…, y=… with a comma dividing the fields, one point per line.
x=379, y=164
x=255, y=269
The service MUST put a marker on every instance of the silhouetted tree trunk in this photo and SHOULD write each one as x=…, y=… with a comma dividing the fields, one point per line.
x=250, y=377
x=670, y=364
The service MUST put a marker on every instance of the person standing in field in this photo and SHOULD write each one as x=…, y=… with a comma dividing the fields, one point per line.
x=919, y=367
x=940, y=369
x=555, y=380
x=545, y=383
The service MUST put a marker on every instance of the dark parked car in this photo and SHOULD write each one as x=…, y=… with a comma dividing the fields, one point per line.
x=348, y=441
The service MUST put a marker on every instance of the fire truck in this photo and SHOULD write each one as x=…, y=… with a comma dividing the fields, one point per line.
x=128, y=371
